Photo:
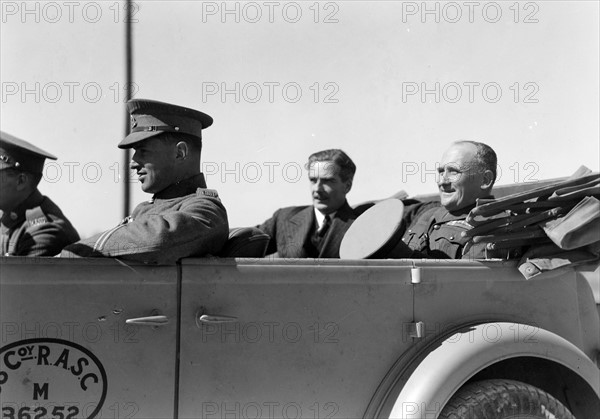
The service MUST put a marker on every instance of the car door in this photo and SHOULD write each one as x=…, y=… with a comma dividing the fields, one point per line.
x=85, y=338
x=289, y=338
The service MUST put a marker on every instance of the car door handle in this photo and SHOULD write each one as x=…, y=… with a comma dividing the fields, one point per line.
x=210, y=319
x=149, y=321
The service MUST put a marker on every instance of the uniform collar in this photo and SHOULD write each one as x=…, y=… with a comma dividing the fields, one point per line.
x=442, y=214
x=182, y=188
x=17, y=216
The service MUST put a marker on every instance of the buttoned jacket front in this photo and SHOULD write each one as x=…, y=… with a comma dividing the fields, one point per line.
x=437, y=234
x=291, y=228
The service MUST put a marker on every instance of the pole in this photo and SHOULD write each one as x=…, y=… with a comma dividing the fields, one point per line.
x=128, y=91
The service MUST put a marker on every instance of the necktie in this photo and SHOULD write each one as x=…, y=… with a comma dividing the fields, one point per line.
x=324, y=227
x=316, y=238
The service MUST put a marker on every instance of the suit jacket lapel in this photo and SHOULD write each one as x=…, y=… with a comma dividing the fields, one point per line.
x=299, y=229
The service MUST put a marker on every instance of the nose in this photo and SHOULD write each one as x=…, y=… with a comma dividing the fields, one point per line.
x=133, y=165
x=443, y=178
x=318, y=186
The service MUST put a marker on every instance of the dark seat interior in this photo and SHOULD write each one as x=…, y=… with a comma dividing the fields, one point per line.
x=245, y=242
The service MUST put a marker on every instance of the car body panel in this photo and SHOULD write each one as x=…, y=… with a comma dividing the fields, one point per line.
x=281, y=337
x=309, y=340
x=85, y=303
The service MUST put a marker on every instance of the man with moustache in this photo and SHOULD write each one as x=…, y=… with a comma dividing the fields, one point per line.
x=467, y=172
x=183, y=218
x=316, y=231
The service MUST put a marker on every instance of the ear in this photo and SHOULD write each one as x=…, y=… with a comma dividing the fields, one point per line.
x=348, y=185
x=487, y=181
x=183, y=150
x=23, y=181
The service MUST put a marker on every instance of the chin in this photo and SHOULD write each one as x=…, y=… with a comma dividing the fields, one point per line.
x=321, y=207
x=449, y=205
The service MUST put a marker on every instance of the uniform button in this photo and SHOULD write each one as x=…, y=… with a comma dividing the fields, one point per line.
x=436, y=227
x=403, y=239
x=410, y=231
x=451, y=237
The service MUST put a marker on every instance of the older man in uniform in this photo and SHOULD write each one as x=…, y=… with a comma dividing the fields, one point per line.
x=31, y=224
x=467, y=172
x=316, y=230
x=183, y=218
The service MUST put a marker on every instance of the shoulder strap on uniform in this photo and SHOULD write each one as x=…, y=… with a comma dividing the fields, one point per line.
x=207, y=192
x=36, y=216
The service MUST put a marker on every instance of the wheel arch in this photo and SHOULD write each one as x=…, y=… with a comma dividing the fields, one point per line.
x=552, y=377
x=420, y=384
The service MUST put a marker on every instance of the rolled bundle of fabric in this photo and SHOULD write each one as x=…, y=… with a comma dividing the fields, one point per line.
x=546, y=222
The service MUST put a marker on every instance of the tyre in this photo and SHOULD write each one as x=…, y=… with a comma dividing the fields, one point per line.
x=503, y=399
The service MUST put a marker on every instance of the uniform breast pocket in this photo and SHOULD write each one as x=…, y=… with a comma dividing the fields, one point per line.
x=447, y=246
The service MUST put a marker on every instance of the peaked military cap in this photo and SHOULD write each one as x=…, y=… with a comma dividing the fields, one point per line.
x=377, y=233
x=150, y=118
x=20, y=154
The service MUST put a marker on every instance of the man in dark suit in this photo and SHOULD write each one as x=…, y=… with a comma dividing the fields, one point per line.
x=316, y=231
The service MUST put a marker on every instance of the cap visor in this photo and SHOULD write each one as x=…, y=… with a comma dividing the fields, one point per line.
x=137, y=137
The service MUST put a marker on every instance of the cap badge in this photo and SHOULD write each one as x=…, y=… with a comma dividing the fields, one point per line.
x=133, y=122
x=9, y=160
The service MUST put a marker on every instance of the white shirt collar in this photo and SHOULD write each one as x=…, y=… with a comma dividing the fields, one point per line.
x=321, y=217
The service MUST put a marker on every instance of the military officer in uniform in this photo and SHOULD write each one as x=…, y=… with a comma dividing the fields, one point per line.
x=31, y=224
x=183, y=218
x=316, y=231
x=467, y=172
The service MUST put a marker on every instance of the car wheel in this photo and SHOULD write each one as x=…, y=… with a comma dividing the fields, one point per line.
x=503, y=399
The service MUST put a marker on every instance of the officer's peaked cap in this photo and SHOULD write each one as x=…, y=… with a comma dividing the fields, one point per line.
x=150, y=118
x=21, y=155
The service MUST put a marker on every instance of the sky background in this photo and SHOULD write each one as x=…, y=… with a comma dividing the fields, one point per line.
x=391, y=83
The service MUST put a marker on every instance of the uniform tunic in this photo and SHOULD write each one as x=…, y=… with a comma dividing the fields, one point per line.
x=36, y=228
x=186, y=219
x=437, y=234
